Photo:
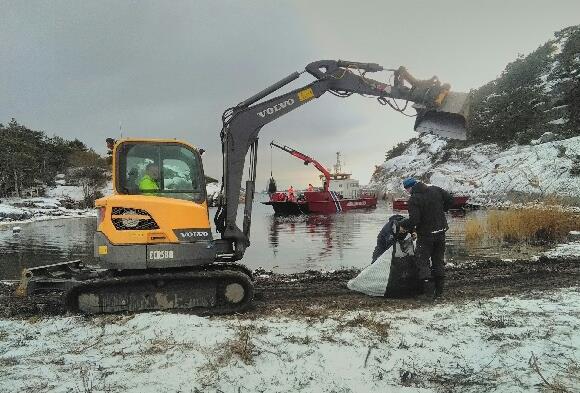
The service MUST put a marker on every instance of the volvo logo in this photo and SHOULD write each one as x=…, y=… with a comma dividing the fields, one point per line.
x=273, y=109
x=192, y=234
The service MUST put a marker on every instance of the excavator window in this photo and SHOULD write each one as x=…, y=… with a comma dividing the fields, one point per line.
x=170, y=170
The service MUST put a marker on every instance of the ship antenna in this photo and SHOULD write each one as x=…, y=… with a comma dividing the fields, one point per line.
x=338, y=166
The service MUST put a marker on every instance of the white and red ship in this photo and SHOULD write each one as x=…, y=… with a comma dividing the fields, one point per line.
x=339, y=192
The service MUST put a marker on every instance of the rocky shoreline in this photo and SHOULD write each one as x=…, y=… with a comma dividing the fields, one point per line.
x=39, y=209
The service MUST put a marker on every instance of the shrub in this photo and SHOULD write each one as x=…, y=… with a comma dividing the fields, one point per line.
x=575, y=169
x=399, y=149
x=532, y=224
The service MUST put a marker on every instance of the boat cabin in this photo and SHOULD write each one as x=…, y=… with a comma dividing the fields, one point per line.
x=342, y=184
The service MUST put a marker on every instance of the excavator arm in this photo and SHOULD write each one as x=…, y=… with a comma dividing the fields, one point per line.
x=438, y=111
x=307, y=160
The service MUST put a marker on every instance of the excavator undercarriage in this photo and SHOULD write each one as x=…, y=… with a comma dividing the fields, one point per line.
x=218, y=288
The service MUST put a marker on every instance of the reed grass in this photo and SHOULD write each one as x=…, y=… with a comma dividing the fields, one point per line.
x=531, y=225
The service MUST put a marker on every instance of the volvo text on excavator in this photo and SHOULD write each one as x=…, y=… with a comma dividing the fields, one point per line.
x=154, y=242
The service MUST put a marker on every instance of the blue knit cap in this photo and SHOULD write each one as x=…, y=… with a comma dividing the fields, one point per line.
x=409, y=182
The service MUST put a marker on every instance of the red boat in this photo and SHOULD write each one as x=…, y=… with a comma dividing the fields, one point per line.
x=339, y=193
x=459, y=203
x=322, y=202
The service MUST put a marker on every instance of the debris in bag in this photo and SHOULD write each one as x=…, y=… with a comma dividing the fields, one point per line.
x=392, y=275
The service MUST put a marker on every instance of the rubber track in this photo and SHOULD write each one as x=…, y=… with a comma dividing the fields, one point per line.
x=214, y=271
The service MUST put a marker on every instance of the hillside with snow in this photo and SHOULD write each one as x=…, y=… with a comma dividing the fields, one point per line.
x=523, y=134
x=486, y=172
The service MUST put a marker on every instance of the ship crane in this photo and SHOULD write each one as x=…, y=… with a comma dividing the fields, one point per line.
x=307, y=160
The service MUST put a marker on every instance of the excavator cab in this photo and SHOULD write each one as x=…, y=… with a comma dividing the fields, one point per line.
x=158, y=215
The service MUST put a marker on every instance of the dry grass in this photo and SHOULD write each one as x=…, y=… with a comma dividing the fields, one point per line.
x=300, y=340
x=380, y=329
x=242, y=346
x=496, y=321
x=532, y=224
x=474, y=229
x=563, y=383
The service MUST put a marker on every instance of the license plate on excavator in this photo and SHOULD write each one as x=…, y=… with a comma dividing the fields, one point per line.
x=449, y=120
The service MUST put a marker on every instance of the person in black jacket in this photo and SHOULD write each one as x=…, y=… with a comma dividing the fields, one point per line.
x=427, y=208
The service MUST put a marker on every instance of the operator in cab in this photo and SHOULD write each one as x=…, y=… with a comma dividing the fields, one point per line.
x=149, y=182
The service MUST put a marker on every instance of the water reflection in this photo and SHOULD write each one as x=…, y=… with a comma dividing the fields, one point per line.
x=297, y=243
x=45, y=242
x=324, y=230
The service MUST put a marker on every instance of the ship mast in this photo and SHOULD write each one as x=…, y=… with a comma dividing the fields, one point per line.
x=338, y=165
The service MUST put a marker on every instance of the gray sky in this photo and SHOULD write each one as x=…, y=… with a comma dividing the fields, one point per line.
x=169, y=69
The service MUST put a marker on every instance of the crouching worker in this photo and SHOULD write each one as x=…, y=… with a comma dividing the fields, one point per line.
x=390, y=277
x=387, y=236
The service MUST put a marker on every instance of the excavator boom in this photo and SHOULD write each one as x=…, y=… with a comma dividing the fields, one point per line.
x=438, y=111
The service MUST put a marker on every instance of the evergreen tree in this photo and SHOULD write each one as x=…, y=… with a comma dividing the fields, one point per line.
x=29, y=157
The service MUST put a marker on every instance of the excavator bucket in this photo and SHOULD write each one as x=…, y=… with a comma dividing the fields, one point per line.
x=449, y=120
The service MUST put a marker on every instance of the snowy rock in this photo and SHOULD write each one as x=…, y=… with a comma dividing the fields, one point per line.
x=13, y=212
x=546, y=136
x=63, y=191
x=574, y=236
x=485, y=172
x=558, y=121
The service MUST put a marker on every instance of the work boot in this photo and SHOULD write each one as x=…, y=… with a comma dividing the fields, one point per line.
x=426, y=290
x=439, y=286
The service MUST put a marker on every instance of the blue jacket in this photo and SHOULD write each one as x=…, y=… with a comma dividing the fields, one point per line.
x=386, y=237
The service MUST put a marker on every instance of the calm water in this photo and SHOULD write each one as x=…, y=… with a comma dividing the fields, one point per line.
x=282, y=244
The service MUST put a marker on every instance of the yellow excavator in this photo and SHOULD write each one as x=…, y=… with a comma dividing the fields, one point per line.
x=154, y=241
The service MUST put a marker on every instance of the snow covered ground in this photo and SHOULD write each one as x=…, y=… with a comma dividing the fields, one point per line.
x=19, y=210
x=52, y=206
x=212, y=191
x=569, y=250
x=486, y=172
x=507, y=344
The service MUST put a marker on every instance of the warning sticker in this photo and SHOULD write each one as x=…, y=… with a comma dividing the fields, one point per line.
x=305, y=94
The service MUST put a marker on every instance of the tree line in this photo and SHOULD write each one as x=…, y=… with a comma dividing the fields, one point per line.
x=535, y=93
x=30, y=158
